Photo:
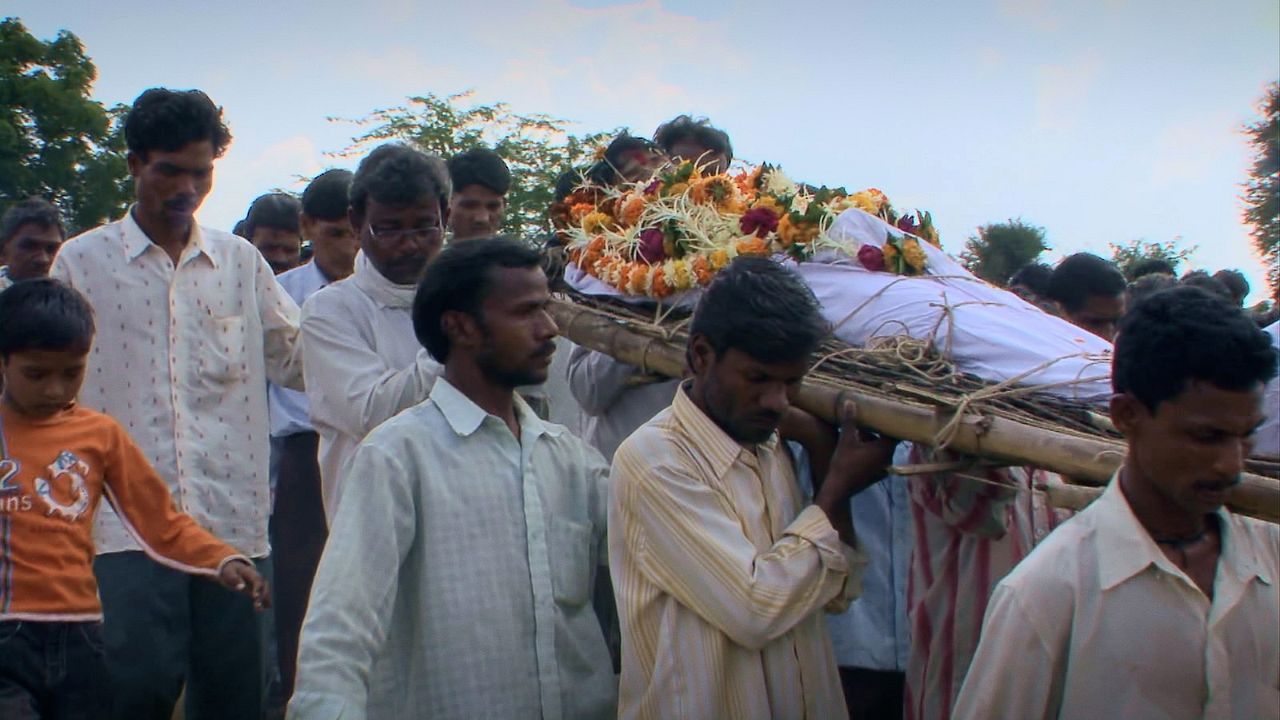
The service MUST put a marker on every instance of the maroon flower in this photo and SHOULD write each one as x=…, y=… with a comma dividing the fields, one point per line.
x=871, y=257
x=653, y=187
x=760, y=221
x=907, y=224
x=651, y=250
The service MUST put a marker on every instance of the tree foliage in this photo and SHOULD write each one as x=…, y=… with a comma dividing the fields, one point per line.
x=1262, y=191
x=1001, y=249
x=1127, y=256
x=537, y=148
x=56, y=142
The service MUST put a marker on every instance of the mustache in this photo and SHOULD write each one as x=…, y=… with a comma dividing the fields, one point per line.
x=546, y=348
x=1216, y=485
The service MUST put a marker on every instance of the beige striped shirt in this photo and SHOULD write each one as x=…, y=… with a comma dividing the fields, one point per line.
x=721, y=577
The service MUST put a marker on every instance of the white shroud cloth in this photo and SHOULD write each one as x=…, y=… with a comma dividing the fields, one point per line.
x=984, y=330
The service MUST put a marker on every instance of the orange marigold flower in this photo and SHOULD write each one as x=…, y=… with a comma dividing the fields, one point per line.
x=702, y=272
x=580, y=210
x=752, y=245
x=659, y=285
x=631, y=210
x=719, y=258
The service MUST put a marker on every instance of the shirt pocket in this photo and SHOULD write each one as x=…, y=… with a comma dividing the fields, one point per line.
x=570, y=550
x=223, y=356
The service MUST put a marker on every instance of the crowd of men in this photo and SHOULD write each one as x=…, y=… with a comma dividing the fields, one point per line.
x=350, y=401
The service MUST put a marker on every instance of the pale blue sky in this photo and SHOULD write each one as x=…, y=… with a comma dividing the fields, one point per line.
x=1101, y=120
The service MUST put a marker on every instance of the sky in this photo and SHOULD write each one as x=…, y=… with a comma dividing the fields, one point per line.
x=1099, y=120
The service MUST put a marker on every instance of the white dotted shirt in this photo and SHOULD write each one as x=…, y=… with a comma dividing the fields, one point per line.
x=181, y=359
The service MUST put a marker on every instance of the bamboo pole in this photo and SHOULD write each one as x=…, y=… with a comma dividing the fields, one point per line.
x=1084, y=461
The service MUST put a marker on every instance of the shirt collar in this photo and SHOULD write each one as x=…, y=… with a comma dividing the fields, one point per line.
x=709, y=440
x=136, y=241
x=466, y=417
x=1125, y=548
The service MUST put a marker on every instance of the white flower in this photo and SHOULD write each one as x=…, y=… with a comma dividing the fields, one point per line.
x=776, y=182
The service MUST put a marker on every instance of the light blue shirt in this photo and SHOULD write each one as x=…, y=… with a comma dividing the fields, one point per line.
x=290, y=412
x=873, y=633
x=457, y=578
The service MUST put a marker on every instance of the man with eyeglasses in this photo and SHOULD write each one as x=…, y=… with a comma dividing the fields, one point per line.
x=362, y=361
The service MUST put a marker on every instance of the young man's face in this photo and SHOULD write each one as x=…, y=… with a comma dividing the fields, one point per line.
x=517, y=333
x=640, y=165
x=476, y=212
x=170, y=186
x=745, y=397
x=29, y=253
x=40, y=383
x=400, y=239
x=708, y=160
x=334, y=245
x=1100, y=315
x=282, y=248
x=1192, y=448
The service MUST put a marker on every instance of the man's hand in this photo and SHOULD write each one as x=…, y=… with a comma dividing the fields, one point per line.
x=242, y=577
x=859, y=461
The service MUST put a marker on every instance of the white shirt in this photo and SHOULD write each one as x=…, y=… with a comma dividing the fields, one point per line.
x=615, y=403
x=290, y=413
x=1098, y=623
x=1268, y=436
x=181, y=359
x=462, y=585
x=364, y=364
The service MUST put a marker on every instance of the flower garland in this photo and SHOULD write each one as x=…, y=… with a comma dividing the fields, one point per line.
x=675, y=232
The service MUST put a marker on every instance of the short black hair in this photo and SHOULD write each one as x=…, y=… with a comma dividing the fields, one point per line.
x=1150, y=284
x=167, y=120
x=397, y=174
x=326, y=196
x=1082, y=276
x=758, y=307
x=1151, y=266
x=1236, y=283
x=459, y=278
x=1035, y=277
x=605, y=170
x=278, y=211
x=1206, y=282
x=32, y=211
x=44, y=314
x=479, y=166
x=1182, y=334
x=683, y=127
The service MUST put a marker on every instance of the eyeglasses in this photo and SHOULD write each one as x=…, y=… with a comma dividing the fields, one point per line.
x=425, y=233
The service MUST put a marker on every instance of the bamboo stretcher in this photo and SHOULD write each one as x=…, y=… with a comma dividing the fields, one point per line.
x=1085, y=460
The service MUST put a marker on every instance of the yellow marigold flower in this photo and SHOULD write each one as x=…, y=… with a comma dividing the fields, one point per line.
x=719, y=258
x=913, y=254
x=595, y=222
x=677, y=189
x=636, y=277
x=866, y=201
x=890, y=254
x=768, y=201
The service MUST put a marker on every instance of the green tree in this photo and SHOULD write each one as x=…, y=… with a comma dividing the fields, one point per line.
x=1001, y=249
x=1262, y=191
x=537, y=148
x=1127, y=256
x=56, y=142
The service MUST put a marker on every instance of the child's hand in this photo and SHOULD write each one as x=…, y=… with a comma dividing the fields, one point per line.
x=242, y=577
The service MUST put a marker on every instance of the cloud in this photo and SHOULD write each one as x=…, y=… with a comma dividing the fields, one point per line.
x=243, y=174
x=1062, y=92
x=1187, y=150
x=1038, y=14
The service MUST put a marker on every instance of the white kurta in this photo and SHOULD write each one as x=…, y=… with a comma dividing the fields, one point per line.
x=1098, y=623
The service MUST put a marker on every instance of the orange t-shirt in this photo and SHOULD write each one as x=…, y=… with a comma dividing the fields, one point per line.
x=53, y=472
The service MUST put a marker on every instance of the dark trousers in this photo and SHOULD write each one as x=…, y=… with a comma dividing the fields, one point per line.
x=873, y=694
x=164, y=628
x=52, y=671
x=298, y=533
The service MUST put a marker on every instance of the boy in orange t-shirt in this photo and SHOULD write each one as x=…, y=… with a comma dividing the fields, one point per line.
x=57, y=461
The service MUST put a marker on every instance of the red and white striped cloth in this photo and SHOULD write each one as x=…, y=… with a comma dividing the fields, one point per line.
x=968, y=536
